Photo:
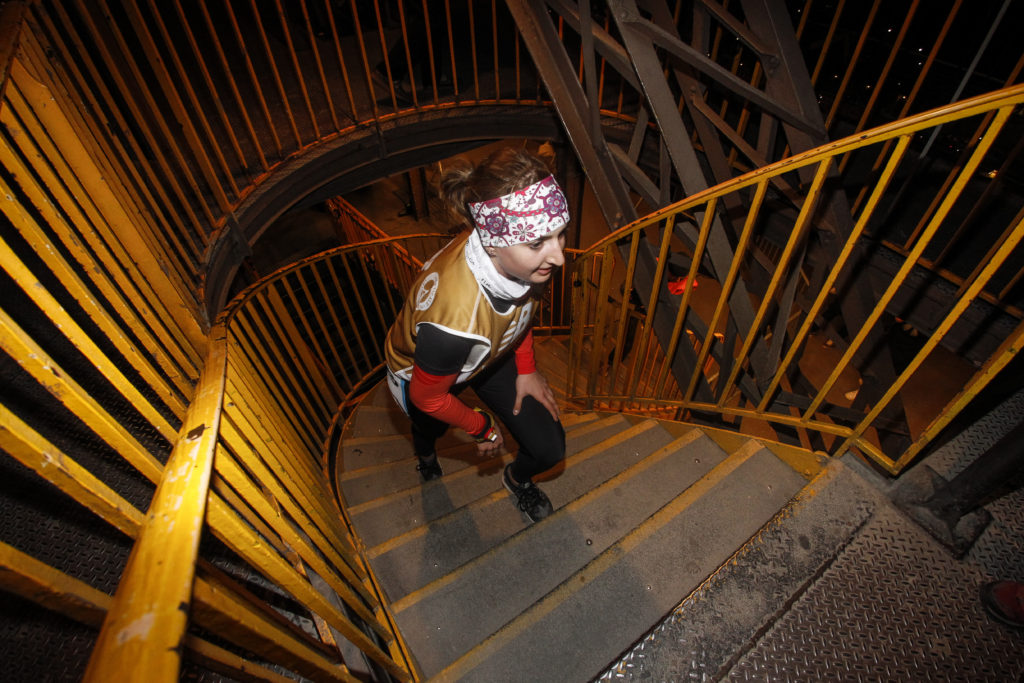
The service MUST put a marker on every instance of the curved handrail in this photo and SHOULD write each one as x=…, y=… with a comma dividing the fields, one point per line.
x=295, y=347
x=982, y=104
x=147, y=619
x=143, y=199
x=841, y=423
x=269, y=392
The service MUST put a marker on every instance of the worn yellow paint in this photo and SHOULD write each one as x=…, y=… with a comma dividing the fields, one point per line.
x=111, y=270
x=77, y=336
x=346, y=590
x=220, y=609
x=240, y=538
x=142, y=635
x=42, y=584
x=340, y=550
x=45, y=370
x=125, y=228
x=50, y=588
x=32, y=450
x=272, y=447
x=231, y=665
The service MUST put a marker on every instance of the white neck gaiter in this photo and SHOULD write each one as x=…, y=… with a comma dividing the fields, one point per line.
x=496, y=284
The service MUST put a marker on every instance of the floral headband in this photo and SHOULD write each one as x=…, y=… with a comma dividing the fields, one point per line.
x=521, y=216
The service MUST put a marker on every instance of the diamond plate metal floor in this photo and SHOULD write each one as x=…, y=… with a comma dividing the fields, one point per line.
x=895, y=606
x=843, y=586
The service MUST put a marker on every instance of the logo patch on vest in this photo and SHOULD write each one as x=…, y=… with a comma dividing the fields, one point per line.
x=427, y=290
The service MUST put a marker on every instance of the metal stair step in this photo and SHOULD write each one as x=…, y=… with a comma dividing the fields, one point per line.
x=393, y=469
x=451, y=616
x=378, y=433
x=377, y=421
x=429, y=552
x=730, y=611
x=390, y=499
x=568, y=634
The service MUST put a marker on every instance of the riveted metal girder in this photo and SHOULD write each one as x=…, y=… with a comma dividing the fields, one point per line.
x=677, y=141
x=595, y=155
x=695, y=143
x=563, y=85
x=790, y=83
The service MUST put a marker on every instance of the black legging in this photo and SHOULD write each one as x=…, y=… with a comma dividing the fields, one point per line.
x=541, y=439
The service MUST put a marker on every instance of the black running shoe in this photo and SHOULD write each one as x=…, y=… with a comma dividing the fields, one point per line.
x=429, y=468
x=531, y=501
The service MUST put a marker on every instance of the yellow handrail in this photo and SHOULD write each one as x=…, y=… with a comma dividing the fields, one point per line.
x=818, y=411
x=145, y=624
x=249, y=467
x=124, y=167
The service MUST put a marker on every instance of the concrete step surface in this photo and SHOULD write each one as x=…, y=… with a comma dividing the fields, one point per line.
x=386, y=502
x=451, y=616
x=479, y=594
x=430, y=552
x=569, y=633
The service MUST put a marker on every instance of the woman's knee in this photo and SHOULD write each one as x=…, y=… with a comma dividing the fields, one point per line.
x=547, y=450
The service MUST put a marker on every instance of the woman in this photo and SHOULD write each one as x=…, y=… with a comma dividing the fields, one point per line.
x=466, y=322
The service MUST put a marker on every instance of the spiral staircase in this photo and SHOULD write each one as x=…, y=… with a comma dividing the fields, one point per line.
x=204, y=479
x=639, y=521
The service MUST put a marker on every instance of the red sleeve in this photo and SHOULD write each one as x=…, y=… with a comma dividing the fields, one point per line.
x=431, y=394
x=525, y=361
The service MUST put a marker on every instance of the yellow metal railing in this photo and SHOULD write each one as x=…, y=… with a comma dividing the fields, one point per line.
x=247, y=467
x=131, y=131
x=189, y=108
x=604, y=270
x=284, y=358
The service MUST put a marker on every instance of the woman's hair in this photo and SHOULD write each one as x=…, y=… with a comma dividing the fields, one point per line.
x=505, y=170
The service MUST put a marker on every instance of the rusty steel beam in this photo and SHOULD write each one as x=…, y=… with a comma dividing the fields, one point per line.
x=562, y=83
x=686, y=163
x=593, y=151
x=790, y=83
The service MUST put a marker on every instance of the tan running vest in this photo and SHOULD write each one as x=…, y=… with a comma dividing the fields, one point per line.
x=447, y=294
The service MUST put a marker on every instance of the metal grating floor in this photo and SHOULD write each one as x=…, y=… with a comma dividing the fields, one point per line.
x=999, y=551
x=892, y=603
x=895, y=606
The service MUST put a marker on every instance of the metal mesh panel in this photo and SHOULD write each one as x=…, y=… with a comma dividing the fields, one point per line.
x=999, y=551
x=39, y=645
x=965, y=448
x=42, y=522
x=894, y=606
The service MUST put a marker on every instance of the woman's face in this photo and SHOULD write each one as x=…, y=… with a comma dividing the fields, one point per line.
x=532, y=262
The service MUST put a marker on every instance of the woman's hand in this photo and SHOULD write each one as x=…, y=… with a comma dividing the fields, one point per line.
x=535, y=385
x=491, y=447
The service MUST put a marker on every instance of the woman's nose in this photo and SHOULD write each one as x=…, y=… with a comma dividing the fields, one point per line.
x=556, y=257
